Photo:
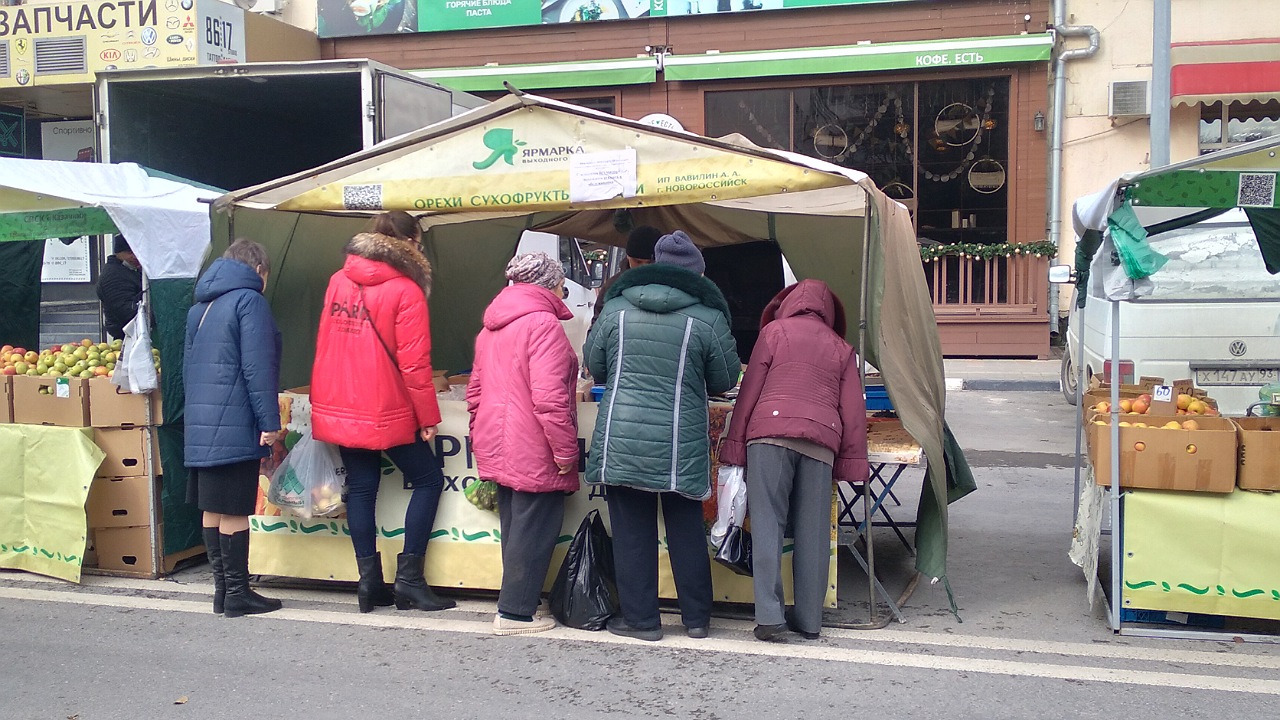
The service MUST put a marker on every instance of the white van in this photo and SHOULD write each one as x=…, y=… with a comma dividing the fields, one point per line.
x=1214, y=316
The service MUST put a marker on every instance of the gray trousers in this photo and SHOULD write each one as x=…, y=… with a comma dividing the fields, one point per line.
x=783, y=484
x=530, y=524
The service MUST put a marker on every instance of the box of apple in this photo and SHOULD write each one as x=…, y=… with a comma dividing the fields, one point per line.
x=1166, y=452
x=1184, y=404
x=84, y=359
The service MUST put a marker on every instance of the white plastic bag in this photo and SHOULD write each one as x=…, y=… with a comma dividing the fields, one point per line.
x=731, y=502
x=135, y=371
x=310, y=481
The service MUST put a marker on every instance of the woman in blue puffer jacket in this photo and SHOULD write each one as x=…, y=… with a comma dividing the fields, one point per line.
x=232, y=377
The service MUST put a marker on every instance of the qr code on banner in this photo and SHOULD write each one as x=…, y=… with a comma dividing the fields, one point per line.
x=1257, y=190
x=362, y=197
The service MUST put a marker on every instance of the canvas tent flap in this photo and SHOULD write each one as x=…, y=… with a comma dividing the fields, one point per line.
x=167, y=225
x=1245, y=176
x=823, y=216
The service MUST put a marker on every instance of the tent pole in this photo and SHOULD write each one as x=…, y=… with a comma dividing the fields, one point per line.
x=862, y=371
x=1117, y=526
x=1075, y=510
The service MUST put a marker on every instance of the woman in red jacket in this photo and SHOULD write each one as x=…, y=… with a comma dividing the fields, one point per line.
x=800, y=421
x=524, y=429
x=372, y=392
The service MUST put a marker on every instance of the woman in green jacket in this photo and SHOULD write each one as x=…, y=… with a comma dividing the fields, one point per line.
x=661, y=345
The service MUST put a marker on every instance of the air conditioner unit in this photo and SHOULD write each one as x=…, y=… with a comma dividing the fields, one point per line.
x=1129, y=98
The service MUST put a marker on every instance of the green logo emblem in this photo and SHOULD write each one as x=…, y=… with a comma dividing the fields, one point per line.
x=503, y=143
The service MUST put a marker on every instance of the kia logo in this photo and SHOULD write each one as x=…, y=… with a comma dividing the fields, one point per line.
x=1238, y=348
x=110, y=55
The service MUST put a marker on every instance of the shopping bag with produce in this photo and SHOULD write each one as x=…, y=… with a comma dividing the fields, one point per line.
x=483, y=494
x=585, y=593
x=310, y=481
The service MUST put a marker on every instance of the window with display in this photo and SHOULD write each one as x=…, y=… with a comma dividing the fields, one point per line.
x=940, y=147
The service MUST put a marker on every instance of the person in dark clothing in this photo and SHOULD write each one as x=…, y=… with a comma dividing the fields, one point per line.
x=120, y=288
x=640, y=244
x=231, y=373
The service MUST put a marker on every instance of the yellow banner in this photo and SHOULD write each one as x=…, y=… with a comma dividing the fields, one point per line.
x=45, y=474
x=534, y=158
x=464, y=550
x=63, y=43
x=1202, y=553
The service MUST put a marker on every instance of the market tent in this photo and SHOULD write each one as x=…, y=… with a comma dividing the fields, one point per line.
x=1176, y=196
x=523, y=162
x=1204, y=186
x=167, y=223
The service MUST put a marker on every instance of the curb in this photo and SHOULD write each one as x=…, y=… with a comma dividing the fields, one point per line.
x=1004, y=385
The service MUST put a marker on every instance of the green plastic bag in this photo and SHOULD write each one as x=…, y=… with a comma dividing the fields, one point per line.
x=483, y=494
x=1130, y=239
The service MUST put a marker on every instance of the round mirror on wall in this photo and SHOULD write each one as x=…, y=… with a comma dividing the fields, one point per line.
x=830, y=141
x=986, y=176
x=957, y=124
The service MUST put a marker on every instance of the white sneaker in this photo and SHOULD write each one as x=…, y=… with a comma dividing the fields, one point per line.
x=503, y=626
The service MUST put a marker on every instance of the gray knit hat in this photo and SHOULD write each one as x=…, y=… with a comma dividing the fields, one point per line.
x=536, y=268
x=678, y=249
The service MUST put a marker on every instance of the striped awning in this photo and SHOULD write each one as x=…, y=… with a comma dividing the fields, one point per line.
x=1227, y=71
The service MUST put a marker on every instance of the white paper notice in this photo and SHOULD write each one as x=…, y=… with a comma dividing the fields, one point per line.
x=602, y=175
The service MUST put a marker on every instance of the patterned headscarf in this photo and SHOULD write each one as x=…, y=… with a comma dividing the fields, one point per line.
x=536, y=268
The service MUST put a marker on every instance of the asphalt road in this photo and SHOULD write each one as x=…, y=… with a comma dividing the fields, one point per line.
x=1029, y=646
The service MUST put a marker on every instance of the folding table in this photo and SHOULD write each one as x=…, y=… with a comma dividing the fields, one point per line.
x=890, y=450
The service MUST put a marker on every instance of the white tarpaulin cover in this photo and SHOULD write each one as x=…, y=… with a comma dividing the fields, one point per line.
x=165, y=221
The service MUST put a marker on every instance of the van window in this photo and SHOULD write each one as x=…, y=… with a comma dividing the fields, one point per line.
x=1212, y=262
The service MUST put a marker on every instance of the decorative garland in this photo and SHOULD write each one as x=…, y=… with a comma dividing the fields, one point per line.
x=1042, y=248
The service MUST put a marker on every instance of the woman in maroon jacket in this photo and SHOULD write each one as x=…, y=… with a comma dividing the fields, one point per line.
x=799, y=422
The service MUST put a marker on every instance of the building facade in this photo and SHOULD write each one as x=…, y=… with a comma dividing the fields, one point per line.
x=1224, y=86
x=943, y=104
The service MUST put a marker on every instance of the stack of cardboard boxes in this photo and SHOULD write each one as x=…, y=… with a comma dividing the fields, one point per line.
x=125, y=488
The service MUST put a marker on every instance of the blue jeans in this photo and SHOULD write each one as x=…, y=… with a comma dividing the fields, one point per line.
x=421, y=472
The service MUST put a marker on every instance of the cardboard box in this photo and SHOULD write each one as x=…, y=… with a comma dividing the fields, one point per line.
x=119, y=502
x=126, y=451
x=1259, y=439
x=6, y=399
x=109, y=406
x=50, y=401
x=1201, y=460
x=126, y=549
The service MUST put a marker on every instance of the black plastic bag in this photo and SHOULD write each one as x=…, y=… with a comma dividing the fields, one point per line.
x=585, y=593
x=735, y=551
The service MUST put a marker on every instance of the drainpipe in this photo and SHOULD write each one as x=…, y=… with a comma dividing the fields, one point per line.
x=1055, y=129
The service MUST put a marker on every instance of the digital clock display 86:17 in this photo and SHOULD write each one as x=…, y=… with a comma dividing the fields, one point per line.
x=218, y=33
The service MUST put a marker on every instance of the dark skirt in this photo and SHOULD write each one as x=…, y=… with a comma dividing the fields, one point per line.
x=225, y=489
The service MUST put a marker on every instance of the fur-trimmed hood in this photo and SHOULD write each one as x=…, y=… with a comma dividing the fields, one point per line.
x=399, y=256
x=689, y=288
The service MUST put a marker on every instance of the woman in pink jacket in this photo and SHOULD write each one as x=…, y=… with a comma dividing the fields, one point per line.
x=524, y=429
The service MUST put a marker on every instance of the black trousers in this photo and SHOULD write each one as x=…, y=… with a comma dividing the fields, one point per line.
x=530, y=524
x=633, y=517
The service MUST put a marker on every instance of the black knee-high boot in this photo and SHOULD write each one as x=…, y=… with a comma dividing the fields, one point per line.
x=241, y=599
x=213, y=550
